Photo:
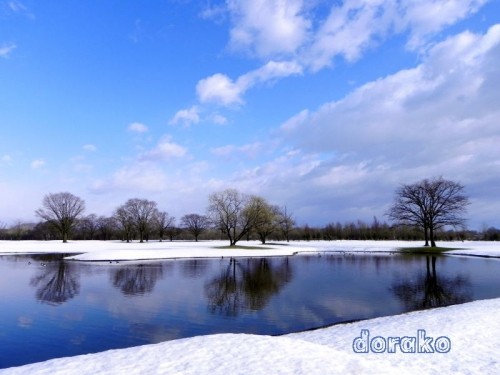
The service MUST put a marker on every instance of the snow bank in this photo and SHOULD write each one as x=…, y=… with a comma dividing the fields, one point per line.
x=117, y=250
x=473, y=328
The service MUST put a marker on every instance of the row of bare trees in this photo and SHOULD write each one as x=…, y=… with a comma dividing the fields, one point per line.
x=234, y=214
x=420, y=210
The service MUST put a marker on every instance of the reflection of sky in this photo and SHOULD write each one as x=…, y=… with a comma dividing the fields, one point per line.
x=319, y=291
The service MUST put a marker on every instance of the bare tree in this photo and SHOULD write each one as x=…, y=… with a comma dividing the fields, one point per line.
x=62, y=210
x=141, y=212
x=286, y=222
x=227, y=211
x=172, y=231
x=430, y=205
x=195, y=224
x=106, y=226
x=89, y=226
x=163, y=222
x=125, y=220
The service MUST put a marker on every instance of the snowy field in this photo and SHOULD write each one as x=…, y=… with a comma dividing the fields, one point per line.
x=117, y=250
x=472, y=330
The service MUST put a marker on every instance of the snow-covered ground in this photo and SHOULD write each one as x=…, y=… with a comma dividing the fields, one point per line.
x=117, y=250
x=473, y=329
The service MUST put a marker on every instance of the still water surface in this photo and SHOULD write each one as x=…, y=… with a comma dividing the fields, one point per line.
x=52, y=308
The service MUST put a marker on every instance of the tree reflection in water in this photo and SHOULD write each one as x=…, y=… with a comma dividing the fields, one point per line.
x=429, y=290
x=194, y=268
x=246, y=284
x=138, y=279
x=56, y=282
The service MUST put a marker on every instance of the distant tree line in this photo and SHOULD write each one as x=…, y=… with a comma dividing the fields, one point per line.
x=429, y=209
x=105, y=228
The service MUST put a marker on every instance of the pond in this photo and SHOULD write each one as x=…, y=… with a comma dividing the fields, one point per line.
x=53, y=308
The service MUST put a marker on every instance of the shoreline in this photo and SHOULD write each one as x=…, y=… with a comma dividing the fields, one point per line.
x=96, y=251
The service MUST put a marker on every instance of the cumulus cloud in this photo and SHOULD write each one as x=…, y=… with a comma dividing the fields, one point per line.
x=137, y=127
x=352, y=27
x=270, y=71
x=37, y=164
x=6, y=49
x=186, y=116
x=267, y=27
x=439, y=118
x=425, y=18
x=164, y=150
x=220, y=89
x=294, y=35
x=451, y=85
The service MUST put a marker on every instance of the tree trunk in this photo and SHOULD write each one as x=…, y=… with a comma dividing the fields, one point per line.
x=431, y=230
x=426, y=235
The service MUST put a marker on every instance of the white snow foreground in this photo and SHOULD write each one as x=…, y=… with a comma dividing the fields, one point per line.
x=472, y=328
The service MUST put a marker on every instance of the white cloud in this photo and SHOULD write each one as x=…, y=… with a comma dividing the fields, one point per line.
x=6, y=49
x=164, y=150
x=298, y=36
x=90, y=148
x=220, y=89
x=218, y=119
x=17, y=7
x=354, y=26
x=440, y=118
x=270, y=71
x=138, y=176
x=425, y=18
x=267, y=27
x=251, y=150
x=137, y=127
x=296, y=120
x=300, y=32
x=216, y=13
x=186, y=116
x=37, y=164
x=349, y=29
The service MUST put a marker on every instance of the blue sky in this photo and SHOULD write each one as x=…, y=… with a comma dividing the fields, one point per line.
x=322, y=106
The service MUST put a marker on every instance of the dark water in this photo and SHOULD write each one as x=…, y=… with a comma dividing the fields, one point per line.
x=52, y=308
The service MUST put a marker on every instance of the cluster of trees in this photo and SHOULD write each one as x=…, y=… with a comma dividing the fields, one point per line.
x=62, y=213
x=239, y=215
x=429, y=210
x=230, y=213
